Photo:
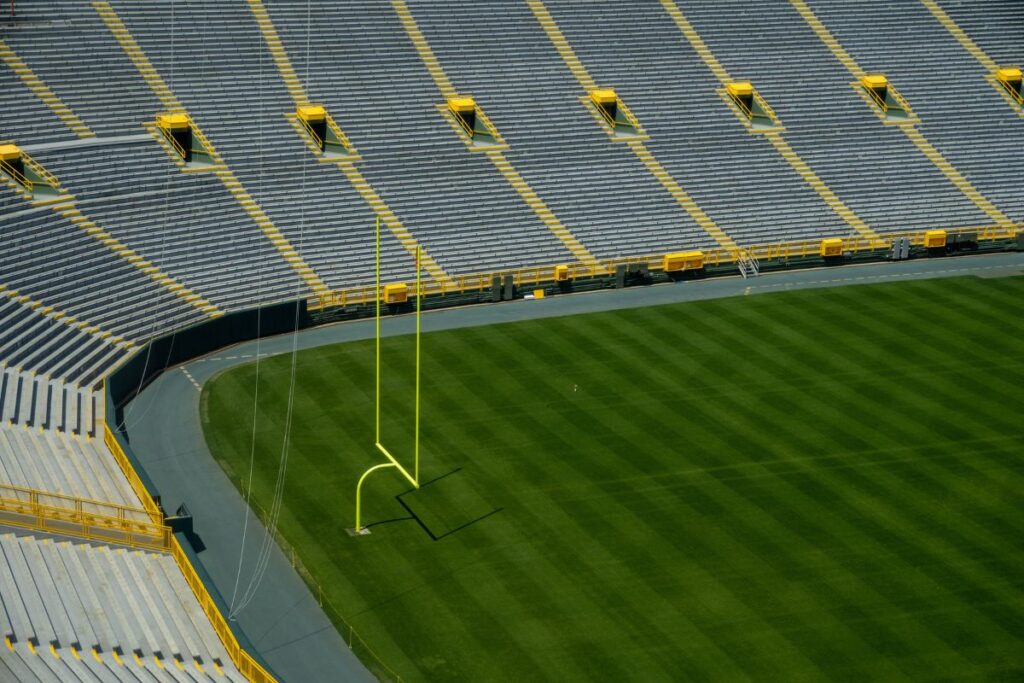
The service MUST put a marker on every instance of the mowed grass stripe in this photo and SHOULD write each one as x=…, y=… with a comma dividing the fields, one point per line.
x=557, y=470
x=560, y=590
x=536, y=342
x=876, y=471
x=769, y=421
x=559, y=593
x=618, y=525
x=746, y=488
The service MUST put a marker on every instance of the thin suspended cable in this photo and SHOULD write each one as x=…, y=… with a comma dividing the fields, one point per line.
x=266, y=549
x=256, y=387
x=162, y=251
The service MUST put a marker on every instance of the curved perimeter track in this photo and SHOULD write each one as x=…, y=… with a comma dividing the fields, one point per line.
x=285, y=622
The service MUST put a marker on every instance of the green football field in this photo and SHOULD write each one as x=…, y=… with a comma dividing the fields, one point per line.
x=813, y=485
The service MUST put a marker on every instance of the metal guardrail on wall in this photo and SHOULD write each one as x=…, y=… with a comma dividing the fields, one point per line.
x=154, y=511
x=536, y=275
x=92, y=520
x=241, y=658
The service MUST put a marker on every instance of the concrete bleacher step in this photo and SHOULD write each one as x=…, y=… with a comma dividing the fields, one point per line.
x=93, y=606
x=64, y=632
x=39, y=623
x=169, y=641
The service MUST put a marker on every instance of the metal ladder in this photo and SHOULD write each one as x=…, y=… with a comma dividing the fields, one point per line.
x=747, y=263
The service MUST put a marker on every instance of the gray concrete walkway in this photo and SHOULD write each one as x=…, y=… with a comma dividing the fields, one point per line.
x=284, y=621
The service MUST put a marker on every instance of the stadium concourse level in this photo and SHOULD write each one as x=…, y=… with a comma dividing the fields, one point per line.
x=164, y=164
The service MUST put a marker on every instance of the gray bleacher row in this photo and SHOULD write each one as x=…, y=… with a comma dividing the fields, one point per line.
x=232, y=89
x=51, y=348
x=738, y=178
x=85, y=597
x=597, y=186
x=36, y=401
x=23, y=116
x=181, y=221
x=455, y=202
x=10, y=200
x=60, y=463
x=23, y=666
x=104, y=90
x=993, y=24
x=692, y=131
x=871, y=166
x=51, y=260
x=961, y=113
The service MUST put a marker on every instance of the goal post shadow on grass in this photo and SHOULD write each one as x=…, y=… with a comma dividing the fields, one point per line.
x=445, y=505
x=414, y=478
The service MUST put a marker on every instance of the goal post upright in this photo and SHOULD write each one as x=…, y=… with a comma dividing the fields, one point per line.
x=416, y=424
x=414, y=478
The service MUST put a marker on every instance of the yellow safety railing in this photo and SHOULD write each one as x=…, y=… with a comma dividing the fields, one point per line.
x=465, y=124
x=174, y=143
x=152, y=509
x=903, y=105
x=620, y=106
x=879, y=100
x=206, y=147
x=312, y=133
x=41, y=172
x=204, y=144
x=242, y=660
x=343, y=140
x=536, y=275
x=322, y=143
x=607, y=115
x=17, y=175
x=766, y=111
x=81, y=517
x=1018, y=96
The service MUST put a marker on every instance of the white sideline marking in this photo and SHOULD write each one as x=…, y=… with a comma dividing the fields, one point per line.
x=191, y=379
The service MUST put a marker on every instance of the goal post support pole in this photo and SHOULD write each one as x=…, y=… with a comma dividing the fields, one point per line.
x=414, y=478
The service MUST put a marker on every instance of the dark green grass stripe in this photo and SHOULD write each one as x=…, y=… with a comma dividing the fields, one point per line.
x=566, y=587
x=783, y=411
x=610, y=512
x=813, y=516
x=859, y=431
x=822, y=470
x=930, y=557
x=512, y=645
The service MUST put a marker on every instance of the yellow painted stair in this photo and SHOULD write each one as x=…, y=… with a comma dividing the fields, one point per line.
x=81, y=221
x=913, y=134
x=57, y=315
x=226, y=176
x=497, y=157
x=279, y=54
x=47, y=96
x=347, y=167
x=960, y=35
x=643, y=154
